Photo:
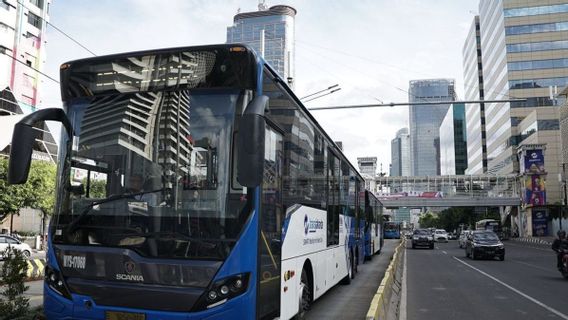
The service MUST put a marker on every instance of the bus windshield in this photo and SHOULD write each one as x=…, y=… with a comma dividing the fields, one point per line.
x=152, y=172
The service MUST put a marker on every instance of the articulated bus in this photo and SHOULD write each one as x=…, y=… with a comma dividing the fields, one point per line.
x=392, y=230
x=192, y=184
x=373, y=231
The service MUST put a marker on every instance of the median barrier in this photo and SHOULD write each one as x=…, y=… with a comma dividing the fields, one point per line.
x=383, y=305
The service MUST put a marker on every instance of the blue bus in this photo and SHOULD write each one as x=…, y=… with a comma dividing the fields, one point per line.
x=192, y=184
x=392, y=230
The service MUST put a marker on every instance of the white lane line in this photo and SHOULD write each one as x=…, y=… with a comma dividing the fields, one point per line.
x=444, y=252
x=403, y=306
x=556, y=312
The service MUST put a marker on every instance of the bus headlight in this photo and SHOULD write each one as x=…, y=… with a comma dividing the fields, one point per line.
x=54, y=280
x=222, y=290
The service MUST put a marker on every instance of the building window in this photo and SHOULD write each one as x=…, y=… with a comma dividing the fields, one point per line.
x=34, y=20
x=537, y=46
x=538, y=83
x=533, y=11
x=37, y=3
x=538, y=64
x=536, y=28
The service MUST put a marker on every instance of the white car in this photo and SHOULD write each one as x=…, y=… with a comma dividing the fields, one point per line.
x=8, y=241
x=440, y=235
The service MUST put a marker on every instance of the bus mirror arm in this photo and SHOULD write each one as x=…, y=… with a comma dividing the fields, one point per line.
x=250, y=143
x=23, y=139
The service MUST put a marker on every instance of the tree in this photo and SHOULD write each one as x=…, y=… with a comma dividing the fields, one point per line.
x=38, y=192
x=428, y=221
x=13, y=303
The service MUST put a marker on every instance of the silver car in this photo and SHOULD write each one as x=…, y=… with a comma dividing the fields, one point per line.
x=8, y=241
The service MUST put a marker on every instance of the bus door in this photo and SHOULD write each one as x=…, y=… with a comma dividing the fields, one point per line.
x=271, y=217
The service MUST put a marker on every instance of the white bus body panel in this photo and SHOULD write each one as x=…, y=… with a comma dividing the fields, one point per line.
x=305, y=238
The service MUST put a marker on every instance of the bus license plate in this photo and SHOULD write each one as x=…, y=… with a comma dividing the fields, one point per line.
x=113, y=315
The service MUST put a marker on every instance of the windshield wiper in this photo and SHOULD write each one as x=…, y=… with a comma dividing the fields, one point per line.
x=72, y=226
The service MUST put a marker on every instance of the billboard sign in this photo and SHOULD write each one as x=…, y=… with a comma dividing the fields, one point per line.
x=540, y=222
x=533, y=162
x=535, y=190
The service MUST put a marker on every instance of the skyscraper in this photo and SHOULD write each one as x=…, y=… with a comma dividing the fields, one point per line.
x=425, y=121
x=400, y=154
x=22, y=48
x=525, y=54
x=22, y=57
x=271, y=33
x=475, y=113
x=453, y=146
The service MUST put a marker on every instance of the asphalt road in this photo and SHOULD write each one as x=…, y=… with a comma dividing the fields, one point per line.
x=353, y=301
x=444, y=284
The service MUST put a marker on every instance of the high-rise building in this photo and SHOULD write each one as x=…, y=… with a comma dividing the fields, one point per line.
x=368, y=165
x=524, y=50
x=22, y=57
x=475, y=113
x=525, y=53
x=425, y=121
x=271, y=33
x=453, y=145
x=400, y=154
x=22, y=48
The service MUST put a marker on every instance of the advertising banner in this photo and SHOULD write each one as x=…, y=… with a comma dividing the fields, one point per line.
x=533, y=162
x=535, y=193
x=539, y=222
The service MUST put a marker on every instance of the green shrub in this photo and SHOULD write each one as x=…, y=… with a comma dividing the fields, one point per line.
x=13, y=303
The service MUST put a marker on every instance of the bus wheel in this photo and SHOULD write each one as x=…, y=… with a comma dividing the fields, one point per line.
x=305, y=296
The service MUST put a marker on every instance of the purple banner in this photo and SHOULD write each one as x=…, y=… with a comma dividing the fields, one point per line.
x=540, y=222
x=534, y=162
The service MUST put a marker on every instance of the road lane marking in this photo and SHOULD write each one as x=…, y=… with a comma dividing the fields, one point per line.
x=526, y=296
x=444, y=252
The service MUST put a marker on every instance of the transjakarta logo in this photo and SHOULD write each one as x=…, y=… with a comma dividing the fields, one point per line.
x=312, y=225
x=534, y=155
x=76, y=262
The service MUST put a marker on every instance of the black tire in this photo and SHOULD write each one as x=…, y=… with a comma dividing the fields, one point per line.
x=306, y=298
x=502, y=258
x=413, y=246
x=432, y=246
x=26, y=254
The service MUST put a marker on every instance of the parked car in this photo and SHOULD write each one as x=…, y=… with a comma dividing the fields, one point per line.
x=9, y=241
x=463, y=237
x=440, y=235
x=422, y=238
x=484, y=244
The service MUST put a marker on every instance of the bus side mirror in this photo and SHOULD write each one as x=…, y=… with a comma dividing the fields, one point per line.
x=23, y=139
x=250, y=143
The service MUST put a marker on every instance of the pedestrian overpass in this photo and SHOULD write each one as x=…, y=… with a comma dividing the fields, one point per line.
x=449, y=191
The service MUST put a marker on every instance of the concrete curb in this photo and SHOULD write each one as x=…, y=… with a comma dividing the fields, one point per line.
x=532, y=240
x=380, y=305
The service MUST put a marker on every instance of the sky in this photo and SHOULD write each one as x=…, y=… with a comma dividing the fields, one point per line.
x=371, y=48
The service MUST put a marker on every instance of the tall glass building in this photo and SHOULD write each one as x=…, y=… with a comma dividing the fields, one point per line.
x=524, y=48
x=271, y=33
x=475, y=113
x=425, y=121
x=453, y=145
x=400, y=154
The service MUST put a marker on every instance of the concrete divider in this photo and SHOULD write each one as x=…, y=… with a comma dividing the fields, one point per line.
x=36, y=268
x=381, y=305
